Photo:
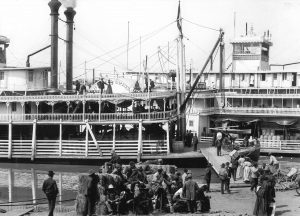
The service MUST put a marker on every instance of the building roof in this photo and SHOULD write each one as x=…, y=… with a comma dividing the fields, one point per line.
x=252, y=39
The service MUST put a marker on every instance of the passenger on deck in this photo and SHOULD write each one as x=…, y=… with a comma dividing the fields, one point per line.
x=218, y=143
x=195, y=142
x=223, y=175
x=130, y=169
x=241, y=161
x=229, y=174
x=101, y=84
x=185, y=171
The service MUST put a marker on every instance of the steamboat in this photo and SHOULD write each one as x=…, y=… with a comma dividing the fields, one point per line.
x=39, y=120
x=249, y=98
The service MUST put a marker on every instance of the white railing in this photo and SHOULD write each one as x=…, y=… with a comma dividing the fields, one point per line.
x=79, y=148
x=260, y=111
x=88, y=97
x=80, y=117
x=293, y=145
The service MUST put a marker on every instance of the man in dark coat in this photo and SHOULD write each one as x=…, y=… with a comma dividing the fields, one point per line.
x=101, y=84
x=189, y=191
x=92, y=193
x=207, y=176
x=115, y=159
x=51, y=191
x=195, y=142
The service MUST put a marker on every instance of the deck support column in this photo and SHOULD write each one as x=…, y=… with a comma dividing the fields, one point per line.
x=100, y=107
x=7, y=110
x=140, y=141
x=60, y=138
x=33, y=145
x=164, y=108
x=83, y=110
x=22, y=105
x=168, y=138
x=86, y=140
x=114, y=137
x=9, y=153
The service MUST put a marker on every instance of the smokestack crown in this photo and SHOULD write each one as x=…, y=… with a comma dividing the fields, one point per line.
x=54, y=6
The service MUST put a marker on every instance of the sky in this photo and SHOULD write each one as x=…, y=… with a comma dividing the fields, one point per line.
x=101, y=31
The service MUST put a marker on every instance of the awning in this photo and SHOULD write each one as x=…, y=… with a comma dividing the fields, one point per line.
x=285, y=122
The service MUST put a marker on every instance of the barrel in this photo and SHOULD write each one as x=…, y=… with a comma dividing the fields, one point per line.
x=178, y=146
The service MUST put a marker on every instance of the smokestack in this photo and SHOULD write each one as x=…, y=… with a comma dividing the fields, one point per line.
x=70, y=13
x=246, y=29
x=54, y=7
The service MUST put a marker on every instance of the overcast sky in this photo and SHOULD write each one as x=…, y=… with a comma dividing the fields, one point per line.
x=101, y=26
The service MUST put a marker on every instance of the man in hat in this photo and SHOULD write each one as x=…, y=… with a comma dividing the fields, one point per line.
x=218, y=143
x=189, y=191
x=223, y=175
x=207, y=176
x=51, y=191
x=101, y=84
x=92, y=193
x=195, y=142
x=115, y=159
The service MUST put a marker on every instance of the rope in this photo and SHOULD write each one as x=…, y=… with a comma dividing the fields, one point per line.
x=202, y=26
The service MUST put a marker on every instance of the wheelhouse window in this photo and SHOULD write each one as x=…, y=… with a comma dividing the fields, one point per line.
x=263, y=77
x=2, y=75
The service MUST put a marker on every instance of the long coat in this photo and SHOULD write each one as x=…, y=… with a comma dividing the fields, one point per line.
x=190, y=189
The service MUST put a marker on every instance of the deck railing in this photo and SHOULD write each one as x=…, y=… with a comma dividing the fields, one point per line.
x=260, y=111
x=80, y=117
x=79, y=148
x=264, y=144
x=88, y=97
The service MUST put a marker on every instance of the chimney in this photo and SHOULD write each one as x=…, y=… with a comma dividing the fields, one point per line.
x=70, y=13
x=54, y=7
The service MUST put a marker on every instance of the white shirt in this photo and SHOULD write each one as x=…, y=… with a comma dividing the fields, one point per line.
x=273, y=160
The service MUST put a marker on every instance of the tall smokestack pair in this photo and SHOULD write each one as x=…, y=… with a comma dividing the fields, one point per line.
x=70, y=13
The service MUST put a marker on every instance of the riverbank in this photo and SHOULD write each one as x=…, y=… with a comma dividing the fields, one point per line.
x=239, y=203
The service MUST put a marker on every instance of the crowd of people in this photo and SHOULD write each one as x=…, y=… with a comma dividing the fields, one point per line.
x=144, y=188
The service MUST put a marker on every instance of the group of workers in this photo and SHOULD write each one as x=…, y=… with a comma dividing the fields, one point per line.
x=142, y=189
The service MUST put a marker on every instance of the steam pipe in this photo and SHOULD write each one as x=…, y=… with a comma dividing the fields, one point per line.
x=31, y=54
x=54, y=7
x=70, y=13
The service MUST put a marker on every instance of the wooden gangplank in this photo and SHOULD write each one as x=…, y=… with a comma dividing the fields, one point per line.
x=210, y=154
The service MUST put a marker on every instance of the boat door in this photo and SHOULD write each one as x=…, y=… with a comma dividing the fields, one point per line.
x=294, y=81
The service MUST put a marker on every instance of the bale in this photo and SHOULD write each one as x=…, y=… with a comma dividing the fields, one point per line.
x=80, y=204
x=83, y=184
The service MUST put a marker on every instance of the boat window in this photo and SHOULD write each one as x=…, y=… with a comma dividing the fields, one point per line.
x=2, y=75
x=263, y=77
x=243, y=77
x=13, y=106
x=284, y=76
x=232, y=76
x=191, y=123
x=30, y=76
x=275, y=76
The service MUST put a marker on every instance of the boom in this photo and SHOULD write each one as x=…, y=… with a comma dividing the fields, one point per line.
x=220, y=39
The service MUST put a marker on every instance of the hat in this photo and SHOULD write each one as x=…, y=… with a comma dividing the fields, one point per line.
x=189, y=176
x=50, y=173
x=91, y=172
x=110, y=186
x=189, y=172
